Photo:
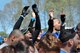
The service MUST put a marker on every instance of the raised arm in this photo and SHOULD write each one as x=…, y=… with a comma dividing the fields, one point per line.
x=19, y=21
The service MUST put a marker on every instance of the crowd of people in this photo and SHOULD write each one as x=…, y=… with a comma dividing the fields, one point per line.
x=32, y=39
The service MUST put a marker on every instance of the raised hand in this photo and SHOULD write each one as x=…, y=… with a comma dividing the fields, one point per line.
x=25, y=11
x=35, y=8
x=62, y=16
x=51, y=13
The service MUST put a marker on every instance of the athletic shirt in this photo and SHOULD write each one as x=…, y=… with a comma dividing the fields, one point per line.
x=3, y=45
x=5, y=48
x=56, y=34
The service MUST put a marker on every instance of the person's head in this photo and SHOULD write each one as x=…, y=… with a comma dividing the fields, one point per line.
x=76, y=42
x=15, y=36
x=77, y=36
x=49, y=44
x=56, y=24
x=27, y=34
x=70, y=39
x=66, y=34
x=68, y=44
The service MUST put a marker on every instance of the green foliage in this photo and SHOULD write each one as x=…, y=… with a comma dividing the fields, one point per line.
x=12, y=11
x=3, y=34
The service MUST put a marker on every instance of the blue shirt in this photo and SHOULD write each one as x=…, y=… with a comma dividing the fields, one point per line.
x=56, y=34
x=1, y=39
x=62, y=51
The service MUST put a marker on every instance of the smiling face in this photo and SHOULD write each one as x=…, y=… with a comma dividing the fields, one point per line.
x=28, y=36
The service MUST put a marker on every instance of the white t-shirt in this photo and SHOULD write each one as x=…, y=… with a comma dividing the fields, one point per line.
x=3, y=45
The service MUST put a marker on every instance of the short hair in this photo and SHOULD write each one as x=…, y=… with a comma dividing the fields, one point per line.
x=66, y=35
x=15, y=32
x=50, y=43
